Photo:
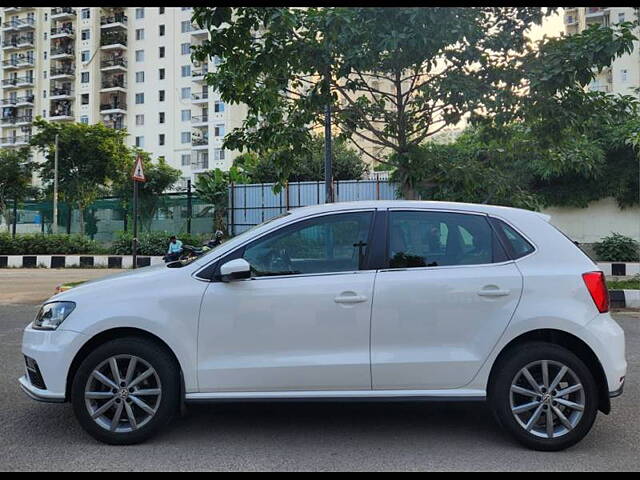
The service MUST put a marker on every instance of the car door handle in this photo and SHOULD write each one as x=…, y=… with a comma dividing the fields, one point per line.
x=493, y=292
x=350, y=298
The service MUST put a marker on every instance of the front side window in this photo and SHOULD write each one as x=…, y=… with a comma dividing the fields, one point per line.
x=436, y=239
x=332, y=243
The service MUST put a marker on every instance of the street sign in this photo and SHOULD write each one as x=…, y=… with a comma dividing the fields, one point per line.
x=138, y=171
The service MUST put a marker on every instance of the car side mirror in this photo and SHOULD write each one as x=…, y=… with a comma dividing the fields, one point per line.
x=237, y=269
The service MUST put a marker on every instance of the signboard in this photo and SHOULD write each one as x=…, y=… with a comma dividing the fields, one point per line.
x=138, y=171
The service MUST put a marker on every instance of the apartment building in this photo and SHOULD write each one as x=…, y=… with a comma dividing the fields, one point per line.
x=623, y=77
x=127, y=67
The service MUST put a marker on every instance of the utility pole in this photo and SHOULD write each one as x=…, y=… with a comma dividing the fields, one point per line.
x=328, y=163
x=54, y=226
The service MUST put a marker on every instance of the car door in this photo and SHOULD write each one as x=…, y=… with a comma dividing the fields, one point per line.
x=302, y=322
x=446, y=295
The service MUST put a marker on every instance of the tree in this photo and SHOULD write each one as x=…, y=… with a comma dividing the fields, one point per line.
x=160, y=177
x=396, y=76
x=213, y=187
x=347, y=164
x=90, y=157
x=15, y=179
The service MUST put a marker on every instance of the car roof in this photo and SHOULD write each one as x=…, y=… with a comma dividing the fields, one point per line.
x=496, y=210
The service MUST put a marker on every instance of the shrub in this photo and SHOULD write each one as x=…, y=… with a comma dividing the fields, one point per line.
x=153, y=244
x=38, y=244
x=618, y=248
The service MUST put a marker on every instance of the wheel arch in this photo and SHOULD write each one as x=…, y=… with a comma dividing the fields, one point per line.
x=113, y=334
x=571, y=343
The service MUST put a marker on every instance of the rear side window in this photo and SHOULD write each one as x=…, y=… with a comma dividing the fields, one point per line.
x=435, y=239
x=517, y=245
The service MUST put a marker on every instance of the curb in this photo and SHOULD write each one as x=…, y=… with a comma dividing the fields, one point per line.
x=624, y=298
x=78, y=261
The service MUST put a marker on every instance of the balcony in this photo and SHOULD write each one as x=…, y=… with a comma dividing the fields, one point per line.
x=61, y=52
x=62, y=13
x=594, y=11
x=113, y=107
x=115, y=84
x=62, y=32
x=199, y=75
x=202, y=97
x=61, y=93
x=199, y=143
x=113, y=41
x=16, y=121
x=200, y=120
x=114, y=21
x=24, y=101
x=201, y=161
x=15, y=141
x=14, y=43
x=57, y=73
x=17, y=82
x=113, y=64
x=62, y=114
x=27, y=23
x=21, y=61
x=196, y=31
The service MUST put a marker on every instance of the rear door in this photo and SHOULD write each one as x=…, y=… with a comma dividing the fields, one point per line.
x=446, y=296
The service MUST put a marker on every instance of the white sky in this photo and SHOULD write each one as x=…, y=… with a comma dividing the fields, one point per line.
x=552, y=26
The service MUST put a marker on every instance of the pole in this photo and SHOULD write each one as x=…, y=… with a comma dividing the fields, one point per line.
x=54, y=228
x=15, y=217
x=328, y=174
x=189, y=206
x=134, y=246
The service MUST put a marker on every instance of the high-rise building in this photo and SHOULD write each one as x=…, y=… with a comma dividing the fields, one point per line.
x=127, y=67
x=623, y=77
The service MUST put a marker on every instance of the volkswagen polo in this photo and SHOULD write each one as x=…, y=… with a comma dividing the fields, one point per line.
x=389, y=300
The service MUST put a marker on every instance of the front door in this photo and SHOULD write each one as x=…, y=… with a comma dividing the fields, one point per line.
x=302, y=322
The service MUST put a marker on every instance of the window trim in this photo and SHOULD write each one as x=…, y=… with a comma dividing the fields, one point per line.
x=384, y=267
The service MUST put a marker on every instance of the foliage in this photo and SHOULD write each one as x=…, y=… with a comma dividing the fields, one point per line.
x=213, y=188
x=618, y=248
x=633, y=284
x=89, y=158
x=160, y=177
x=15, y=179
x=37, y=244
x=347, y=164
x=397, y=76
x=152, y=243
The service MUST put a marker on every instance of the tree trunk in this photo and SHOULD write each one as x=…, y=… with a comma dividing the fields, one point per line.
x=81, y=219
x=408, y=192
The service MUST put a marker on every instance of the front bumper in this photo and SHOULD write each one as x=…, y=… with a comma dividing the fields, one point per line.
x=38, y=394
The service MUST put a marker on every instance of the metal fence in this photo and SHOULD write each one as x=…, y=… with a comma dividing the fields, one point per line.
x=185, y=212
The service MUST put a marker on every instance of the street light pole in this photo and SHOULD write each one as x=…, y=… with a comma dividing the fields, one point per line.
x=55, y=190
x=328, y=167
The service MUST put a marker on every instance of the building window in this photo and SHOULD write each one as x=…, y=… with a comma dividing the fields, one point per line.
x=45, y=54
x=161, y=30
x=139, y=98
x=186, y=115
x=84, y=77
x=140, y=142
x=186, y=70
x=185, y=93
x=185, y=48
x=161, y=73
x=621, y=17
x=139, y=55
x=139, y=119
x=139, y=33
x=161, y=139
x=85, y=34
x=85, y=13
x=161, y=117
x=186, y=159
x=84, y=99
x=186, y=26
x=161, y=10
x=139, y=77
x=161, y=95
x=161, y=52
x=185, y=137
x=84, y=119
x=218, y=154
x=219, y=130
x=84, y=56
x=139, y=13
x=218, y=106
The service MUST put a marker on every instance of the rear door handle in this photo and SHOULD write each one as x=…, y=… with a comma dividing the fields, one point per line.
x=350, y=298
x=493, y=292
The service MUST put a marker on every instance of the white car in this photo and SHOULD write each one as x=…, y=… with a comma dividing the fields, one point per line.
x=380, y=300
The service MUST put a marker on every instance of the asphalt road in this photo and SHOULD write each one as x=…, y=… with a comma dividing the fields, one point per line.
x=351, y=436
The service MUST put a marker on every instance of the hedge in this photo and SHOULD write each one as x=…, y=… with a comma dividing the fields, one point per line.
x=38, y=244
x=618, y=248
x=153, y=244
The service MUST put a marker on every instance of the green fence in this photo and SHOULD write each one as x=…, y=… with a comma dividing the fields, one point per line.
x=105, y=218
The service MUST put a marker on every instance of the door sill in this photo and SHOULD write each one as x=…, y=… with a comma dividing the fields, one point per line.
x=343, y=395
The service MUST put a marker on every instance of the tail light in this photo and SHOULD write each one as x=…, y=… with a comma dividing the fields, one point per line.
x=597, y=287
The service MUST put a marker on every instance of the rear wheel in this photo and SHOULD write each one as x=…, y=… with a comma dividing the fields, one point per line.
x=126, y=390
x=544, y=396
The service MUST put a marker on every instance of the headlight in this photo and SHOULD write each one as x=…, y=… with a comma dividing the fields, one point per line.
x=51, y=315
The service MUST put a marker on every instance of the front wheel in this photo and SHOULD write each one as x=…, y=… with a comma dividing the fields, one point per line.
x=544, y=396
x=125, y=391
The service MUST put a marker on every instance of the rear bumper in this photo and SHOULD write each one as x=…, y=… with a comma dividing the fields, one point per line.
x=618, y=392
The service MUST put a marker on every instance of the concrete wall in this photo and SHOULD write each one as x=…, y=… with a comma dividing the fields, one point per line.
x=589, y=225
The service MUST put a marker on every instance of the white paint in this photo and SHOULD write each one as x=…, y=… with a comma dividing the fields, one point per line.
x=632, y=298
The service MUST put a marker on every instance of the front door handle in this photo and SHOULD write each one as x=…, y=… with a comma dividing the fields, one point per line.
x=493, y=292
x=350, y=298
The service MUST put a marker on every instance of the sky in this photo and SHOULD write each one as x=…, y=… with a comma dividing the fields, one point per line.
x=552, y=26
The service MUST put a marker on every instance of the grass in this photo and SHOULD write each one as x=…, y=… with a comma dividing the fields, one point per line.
x=633, y=284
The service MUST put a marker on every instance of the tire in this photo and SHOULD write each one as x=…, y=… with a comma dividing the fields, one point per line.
x=578, y=408
x=145, y=407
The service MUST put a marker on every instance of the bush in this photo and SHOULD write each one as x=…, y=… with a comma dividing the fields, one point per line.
x=38, y=244
x=618, y=248
x=152, y=244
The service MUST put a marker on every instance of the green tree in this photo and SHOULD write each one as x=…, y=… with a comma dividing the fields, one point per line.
x=90, y=157
x=160, y=177
x=401, y=75
x=15, y=179
x=213, y=188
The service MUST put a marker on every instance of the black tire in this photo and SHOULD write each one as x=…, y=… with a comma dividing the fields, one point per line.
x=167, y=404
x=500, y=394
